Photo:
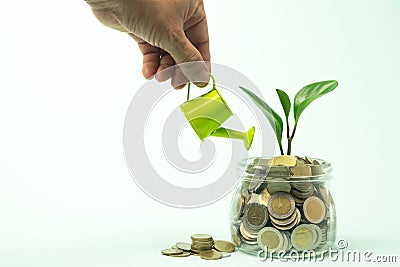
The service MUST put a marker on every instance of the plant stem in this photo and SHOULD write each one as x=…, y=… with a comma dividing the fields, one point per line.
x=188, y=93
x=289, y=146
x=287, y=128
x=287, y=136
x=281, y=149
x=290, y=139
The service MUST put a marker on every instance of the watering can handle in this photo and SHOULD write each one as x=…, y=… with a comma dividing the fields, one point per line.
x=189, y=83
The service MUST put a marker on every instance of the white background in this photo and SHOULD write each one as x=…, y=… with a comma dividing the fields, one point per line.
x=66, y=197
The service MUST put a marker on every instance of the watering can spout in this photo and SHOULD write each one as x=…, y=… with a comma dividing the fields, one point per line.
x=247, y=137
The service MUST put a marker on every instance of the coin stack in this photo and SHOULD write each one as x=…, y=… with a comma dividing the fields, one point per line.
x=279, y=207
x=201, y=242
x=283, y=213
x=255, y=218
x=202, y=245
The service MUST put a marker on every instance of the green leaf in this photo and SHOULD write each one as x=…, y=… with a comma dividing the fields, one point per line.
x=309, y=93
x=285, y=102
x=274, y=119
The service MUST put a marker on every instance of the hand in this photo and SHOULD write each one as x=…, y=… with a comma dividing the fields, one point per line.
x=168, y=32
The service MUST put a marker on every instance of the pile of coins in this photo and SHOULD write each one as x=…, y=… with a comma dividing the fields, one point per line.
x=202, y=245
x=278, y=207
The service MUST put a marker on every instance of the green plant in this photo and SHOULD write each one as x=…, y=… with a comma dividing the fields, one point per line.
x=302, y=99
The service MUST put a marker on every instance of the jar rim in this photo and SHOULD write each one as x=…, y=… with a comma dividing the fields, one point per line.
x=325, y=166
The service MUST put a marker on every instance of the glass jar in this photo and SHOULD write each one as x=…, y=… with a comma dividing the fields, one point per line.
x=283, y=210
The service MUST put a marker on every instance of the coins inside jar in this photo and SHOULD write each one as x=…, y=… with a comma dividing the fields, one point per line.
x=296, y=205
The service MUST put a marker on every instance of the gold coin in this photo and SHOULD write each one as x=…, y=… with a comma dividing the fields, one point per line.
x=183, y=246
x=316, y=170
x=303, y=237
x=291, y=225
x=210, y=255
x=301, y=171
x=270, y=238
x=262, y=161
x=235, y=236
x=286, y=221
x=319, y=236
x=314, y=209
x=300, y=161
x=284, y=160
x=201, y=237
x=183, y=254
x=256, y=215
x=224, y=246
x=308, y=159
x=171, y=251
x=245, y=233
x=264, y=197
x=281, y=205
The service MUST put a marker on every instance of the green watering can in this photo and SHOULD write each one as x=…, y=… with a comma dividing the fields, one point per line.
x=206, y=114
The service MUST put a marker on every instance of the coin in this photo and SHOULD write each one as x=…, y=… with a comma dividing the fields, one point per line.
x=300, y=171
x=302, y=194
x=201, y=237
x=256, y=215
x=250, y=242
x=281, y=205
x=235, y=236
x=291, y=225
x=286, y=243
x=316, y=170
x=246, y=233
x=210, y=255
x=316, y=162
x=287, y=221
x=319, y=236
x=262, y=161
x=314, y=209
x=183, y=254
x=284, y=160
x=269, y=238
x=278, y=172
x=264, y=197
x=278, y=185
x=171, y=251
x=183, y=246
x=224, y=246
x=308, y=160
x=303, y=237
x=300, y=162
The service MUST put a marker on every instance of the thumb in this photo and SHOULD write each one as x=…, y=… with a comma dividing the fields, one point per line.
x=189, y=59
